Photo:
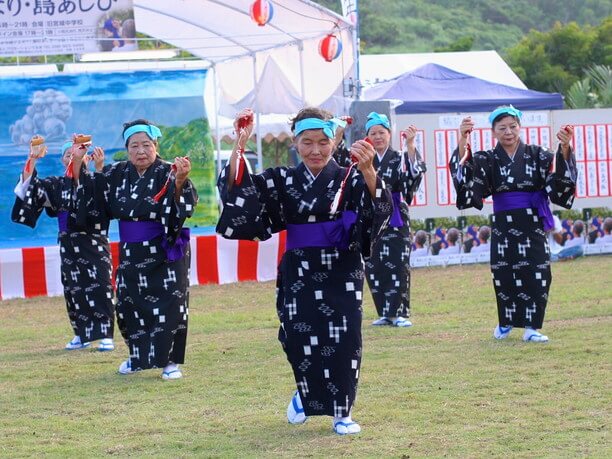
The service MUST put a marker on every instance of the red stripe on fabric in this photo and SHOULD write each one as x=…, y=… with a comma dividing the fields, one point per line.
x=114, y=249
x=247, y=260
x=208, y=272
x=34, y=277
x=282, y=243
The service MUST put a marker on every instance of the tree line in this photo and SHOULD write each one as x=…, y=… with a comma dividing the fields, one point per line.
x=552, y=45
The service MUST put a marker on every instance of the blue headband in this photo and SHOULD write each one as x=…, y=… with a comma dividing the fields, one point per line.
x=329, y=126
x=505, y=111
x=152, y=131
x=375, y=119
x=66, y=146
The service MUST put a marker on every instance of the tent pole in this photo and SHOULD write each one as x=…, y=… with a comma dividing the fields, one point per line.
x=217, y=129
x=302, y=87
x=257, y=115
x=356, y=46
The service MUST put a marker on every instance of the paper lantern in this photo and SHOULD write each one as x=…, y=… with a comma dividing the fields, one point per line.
x=330, y=47
x=262, y=12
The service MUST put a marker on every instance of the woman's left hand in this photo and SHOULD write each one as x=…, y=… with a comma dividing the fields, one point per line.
x=183, y=167
x=98, y=158
x=565, y=135
x=363, y=153
x=409, y=134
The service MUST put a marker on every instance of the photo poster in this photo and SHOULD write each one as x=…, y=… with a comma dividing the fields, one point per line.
x=50, y=27
x=98, y=104
x=446, y=141
x=592, y=144
x=420, y=195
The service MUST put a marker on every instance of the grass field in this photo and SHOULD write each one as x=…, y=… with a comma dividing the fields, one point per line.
x=443, y=388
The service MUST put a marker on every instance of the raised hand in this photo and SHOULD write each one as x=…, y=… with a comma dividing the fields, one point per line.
x=362, y=153
x=98, y=158
x=466, y=127
x=565, y=135
x=243, y=125
x=409, y=134
x=183, y=167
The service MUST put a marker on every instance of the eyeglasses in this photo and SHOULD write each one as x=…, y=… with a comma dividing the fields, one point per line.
x=506, y=128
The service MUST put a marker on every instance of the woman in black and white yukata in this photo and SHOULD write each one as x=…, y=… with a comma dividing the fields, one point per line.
x=521, y=178
x=151, y=198
x=388, y=267
x=85, y=259
x=330, y=214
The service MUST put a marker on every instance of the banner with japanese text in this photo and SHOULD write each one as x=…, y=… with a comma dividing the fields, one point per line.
x=48, y=27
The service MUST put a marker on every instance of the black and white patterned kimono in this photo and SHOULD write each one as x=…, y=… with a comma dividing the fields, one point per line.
x=84, y=252
x=520, y=255
x=152, y=291
x=319, y=289
x=388, y=267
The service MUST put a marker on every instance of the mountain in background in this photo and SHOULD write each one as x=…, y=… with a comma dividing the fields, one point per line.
x=400, y=26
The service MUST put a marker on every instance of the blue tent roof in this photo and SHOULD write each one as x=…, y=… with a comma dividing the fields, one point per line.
x=433, y=88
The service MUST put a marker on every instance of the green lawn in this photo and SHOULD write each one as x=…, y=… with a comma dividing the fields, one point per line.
x=441, y=388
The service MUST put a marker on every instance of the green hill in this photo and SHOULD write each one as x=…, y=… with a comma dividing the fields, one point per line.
x=392, y=26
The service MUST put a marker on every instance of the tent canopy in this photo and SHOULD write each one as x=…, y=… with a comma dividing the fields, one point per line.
x=221, y=30
x=488, y=65
x=433, y=88
x=222, y=34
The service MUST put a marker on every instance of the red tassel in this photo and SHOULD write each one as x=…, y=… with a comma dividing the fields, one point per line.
x=240, y=167
x=162, y=192
x=553, y=165
x=69, y=173
x=28, y=166
x=340, y=193
x=467, y=155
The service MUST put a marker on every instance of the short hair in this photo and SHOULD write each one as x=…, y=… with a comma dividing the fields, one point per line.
x=420, y=237
x=310, y=112
x=607, y=225
x=452, y=235
x=484, y=233
x=501, y=116
x=129, y=124
x=578, y=227
x=128, y=29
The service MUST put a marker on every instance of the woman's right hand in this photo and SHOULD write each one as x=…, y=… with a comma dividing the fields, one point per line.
x=466, y=127
x=243, y=126
x=37, y=151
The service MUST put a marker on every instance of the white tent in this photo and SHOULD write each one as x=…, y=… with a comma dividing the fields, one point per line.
x=486, y=65
x=243, y=56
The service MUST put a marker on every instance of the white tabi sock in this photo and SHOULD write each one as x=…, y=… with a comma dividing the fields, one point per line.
x=345, y=425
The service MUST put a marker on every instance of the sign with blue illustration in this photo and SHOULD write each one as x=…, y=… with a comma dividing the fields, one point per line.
x=98, y=104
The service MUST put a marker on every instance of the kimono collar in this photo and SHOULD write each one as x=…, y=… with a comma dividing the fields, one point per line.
x=504, y=155
x=380, y=157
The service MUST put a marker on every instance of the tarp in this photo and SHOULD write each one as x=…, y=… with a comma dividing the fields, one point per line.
x=487, y=65
x=238, y=51
x=433, y=88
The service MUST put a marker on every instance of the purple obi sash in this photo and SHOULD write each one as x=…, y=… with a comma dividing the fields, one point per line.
x=396, y=216
x=140, y=231
x=538, y=200
x=325, y=234
x=62, y=221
